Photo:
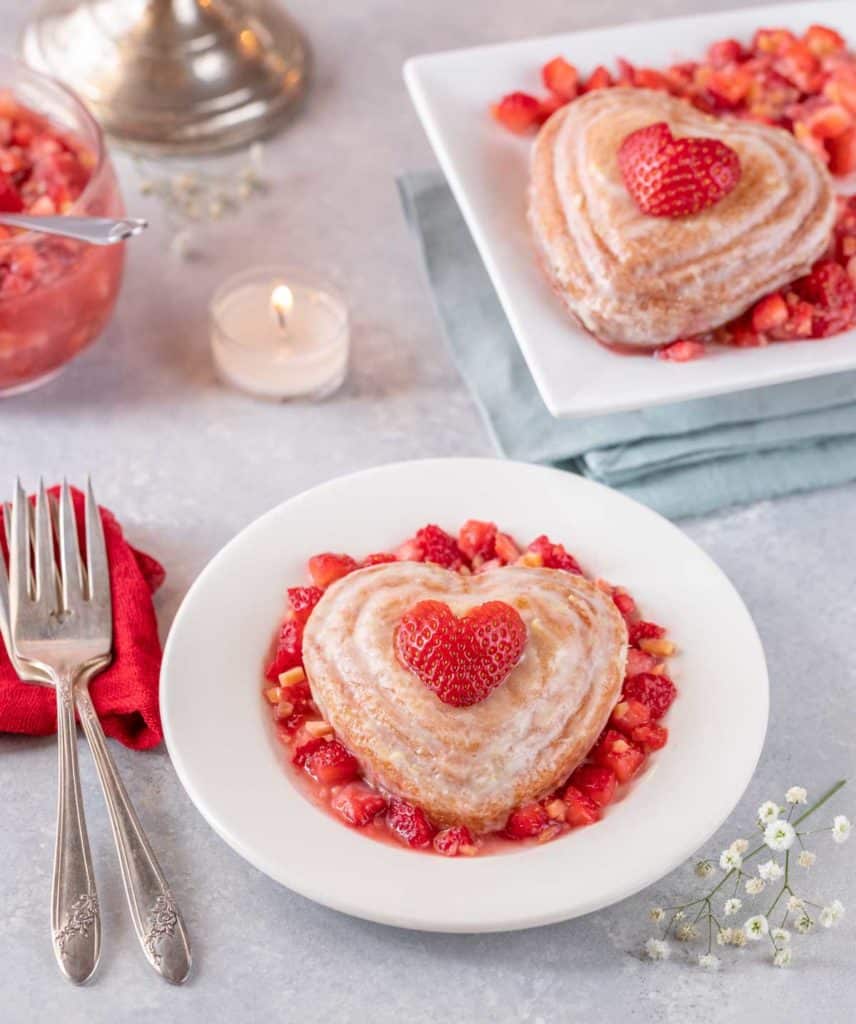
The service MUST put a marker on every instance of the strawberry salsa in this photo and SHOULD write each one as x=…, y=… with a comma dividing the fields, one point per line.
x=330, y=775
x=804, y=84
x=43, y=171
x=56, y=294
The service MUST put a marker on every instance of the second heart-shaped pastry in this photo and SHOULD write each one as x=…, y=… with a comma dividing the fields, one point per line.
x=469, y=765
x=643, y=280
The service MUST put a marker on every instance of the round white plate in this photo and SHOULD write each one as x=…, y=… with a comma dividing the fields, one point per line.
x=221, y=739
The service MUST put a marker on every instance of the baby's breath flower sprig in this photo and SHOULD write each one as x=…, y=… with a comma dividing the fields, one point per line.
x=779, y=828
x=191, y=196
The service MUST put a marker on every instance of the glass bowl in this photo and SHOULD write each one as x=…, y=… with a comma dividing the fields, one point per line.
x=56, y=295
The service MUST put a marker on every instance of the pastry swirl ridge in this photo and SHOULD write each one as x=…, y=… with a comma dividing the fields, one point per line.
x=644, y=281
x=467, y=765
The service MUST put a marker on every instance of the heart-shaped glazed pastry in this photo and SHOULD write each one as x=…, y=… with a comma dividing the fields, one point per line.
x=466, y=765
x=643, y=280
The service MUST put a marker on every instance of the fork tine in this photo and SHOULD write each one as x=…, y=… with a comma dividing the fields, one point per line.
x=97, y=566
x=69, y=553
x=44, y=547
x=19, y=552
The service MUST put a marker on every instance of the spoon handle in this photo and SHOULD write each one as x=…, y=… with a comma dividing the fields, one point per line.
x=95, y=230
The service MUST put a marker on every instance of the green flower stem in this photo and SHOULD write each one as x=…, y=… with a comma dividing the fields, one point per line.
x=785, y=884
x=819, y=803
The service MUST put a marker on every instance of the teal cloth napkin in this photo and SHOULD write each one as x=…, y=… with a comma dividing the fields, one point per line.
x=683, y=459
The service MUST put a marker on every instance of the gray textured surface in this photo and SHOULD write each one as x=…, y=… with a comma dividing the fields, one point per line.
x=186, y=464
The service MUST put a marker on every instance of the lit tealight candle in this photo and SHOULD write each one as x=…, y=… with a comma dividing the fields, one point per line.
x=279, y=340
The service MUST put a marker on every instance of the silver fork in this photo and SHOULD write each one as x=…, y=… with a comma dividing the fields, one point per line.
x=59, y=643
x=85, y=595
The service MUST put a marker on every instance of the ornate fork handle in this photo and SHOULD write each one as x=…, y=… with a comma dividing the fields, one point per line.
x=157, y=919
x=75, y=920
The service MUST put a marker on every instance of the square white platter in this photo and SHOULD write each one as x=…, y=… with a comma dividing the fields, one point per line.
x=487, y=169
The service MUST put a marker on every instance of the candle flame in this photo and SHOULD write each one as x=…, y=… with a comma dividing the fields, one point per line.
x=282, y=303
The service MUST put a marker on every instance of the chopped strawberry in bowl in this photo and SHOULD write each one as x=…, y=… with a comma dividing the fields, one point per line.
x=462, y=657
x=56, y=294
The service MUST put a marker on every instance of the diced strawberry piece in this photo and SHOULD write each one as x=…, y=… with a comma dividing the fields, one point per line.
x=452, y=842
x=303, y=600
x=581, y=809
x=505, y=549
x=725, y=51
x=842, y=152
x=823, y=41
x=595, y=781
x=841, y=86
x=358, y=804
x=289, y=650
x=477, y=539
x=828, y=122
x=643, y=630
x=681, y=351
x=306, y=750
x=526, y=821
x=290, y=726
x=772, y=40
x=680, y=76
x=650, y=736
x=741, y=335
x=326, y=568
x=409, y=551
x=298, y=694
x=624, y=603
x=435, y=545
x=770, y=312
x=379, y=558
x=561, y=78
x=650, y=78
x=554, y=556
x=409, y=823
x=639, y=661
x=628, y=714
x=547, y=106
x=600, y=78
x=799, y=322
x=810, y=142
x=518, y=112
x=825, y=323
x=799, y=65
x=331, y=764
x=827, y=286
x=626, y=71
x=657, y=691
x=615, y=751
x=10, y=198
x=730, y=86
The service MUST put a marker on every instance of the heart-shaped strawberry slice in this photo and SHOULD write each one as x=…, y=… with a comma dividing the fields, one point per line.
x=461, y=660
x=675, y=177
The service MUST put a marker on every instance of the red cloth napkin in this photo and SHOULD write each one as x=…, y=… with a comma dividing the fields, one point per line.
x=125, y=694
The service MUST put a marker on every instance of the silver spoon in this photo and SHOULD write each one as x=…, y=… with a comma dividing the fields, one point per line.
x=95, y=230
